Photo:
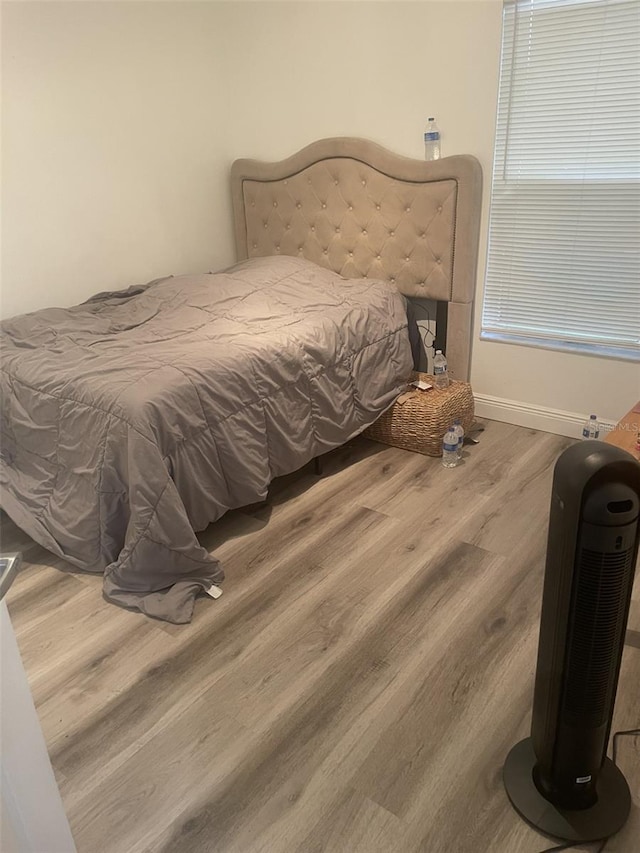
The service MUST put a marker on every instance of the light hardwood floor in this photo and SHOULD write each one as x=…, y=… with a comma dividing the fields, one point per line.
x=356, y=688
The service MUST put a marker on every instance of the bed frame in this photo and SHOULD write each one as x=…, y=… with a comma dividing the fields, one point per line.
x=354, y=207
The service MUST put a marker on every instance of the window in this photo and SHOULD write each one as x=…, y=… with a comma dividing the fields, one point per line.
x=563, y=268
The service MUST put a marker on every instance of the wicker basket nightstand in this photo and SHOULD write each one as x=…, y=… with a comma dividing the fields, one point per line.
x=418, y=420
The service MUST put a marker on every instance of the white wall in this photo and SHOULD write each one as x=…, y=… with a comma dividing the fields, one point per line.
x=114, y=164
x=121, y=121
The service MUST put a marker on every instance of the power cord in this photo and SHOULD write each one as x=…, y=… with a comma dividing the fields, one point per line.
x=427, y=336
x=569, y=846
x=614, y=757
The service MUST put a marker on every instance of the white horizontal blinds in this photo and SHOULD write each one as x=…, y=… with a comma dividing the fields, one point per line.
x=564, y=241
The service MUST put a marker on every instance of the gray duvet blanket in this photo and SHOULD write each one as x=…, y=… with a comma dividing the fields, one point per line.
x=139, y=417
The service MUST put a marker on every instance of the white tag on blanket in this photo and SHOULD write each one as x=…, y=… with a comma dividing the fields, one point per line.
x=214, y=591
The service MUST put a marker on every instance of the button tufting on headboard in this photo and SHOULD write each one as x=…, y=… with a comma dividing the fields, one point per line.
x=350, y=205
x=383, y=215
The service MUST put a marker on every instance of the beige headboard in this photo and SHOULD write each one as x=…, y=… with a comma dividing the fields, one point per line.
x=364, y=212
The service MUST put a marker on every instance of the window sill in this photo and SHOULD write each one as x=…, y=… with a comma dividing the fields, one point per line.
x=597, y=350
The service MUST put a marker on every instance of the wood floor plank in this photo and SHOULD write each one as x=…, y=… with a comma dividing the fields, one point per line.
x=356, y=688
x=291, y=734
x=308, y=630
x=448, y=690
x=243, y=627
x=368, y=827
x=522, y=506
x=396, y=660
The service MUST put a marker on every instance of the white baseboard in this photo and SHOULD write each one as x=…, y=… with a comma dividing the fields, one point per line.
x=535, y=417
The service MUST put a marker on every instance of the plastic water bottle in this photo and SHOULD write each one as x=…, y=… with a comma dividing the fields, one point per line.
x=450, y=449
x=432, y=141
x=459, y=431
x=591, y=428
x=440, y=372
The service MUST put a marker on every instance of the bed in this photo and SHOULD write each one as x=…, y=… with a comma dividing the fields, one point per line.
x=139, y=417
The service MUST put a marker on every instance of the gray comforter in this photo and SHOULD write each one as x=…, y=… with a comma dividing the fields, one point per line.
x=141, y=416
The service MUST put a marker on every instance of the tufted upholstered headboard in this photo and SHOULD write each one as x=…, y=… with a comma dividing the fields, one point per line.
x=354, y=207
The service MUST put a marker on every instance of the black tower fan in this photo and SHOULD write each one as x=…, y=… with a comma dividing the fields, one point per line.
x=560, y=779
